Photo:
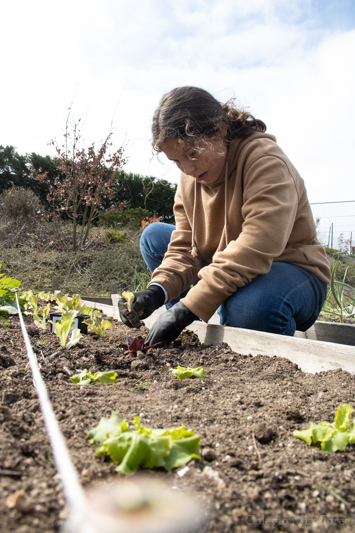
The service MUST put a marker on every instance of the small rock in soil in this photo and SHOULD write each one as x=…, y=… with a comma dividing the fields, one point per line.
x=10, y=396
x=20, y=501
x=209, y=455
x=263, y=433
x=137, y=364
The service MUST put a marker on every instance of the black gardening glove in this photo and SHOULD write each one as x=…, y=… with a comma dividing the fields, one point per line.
x=170, y=324
x=145, y=303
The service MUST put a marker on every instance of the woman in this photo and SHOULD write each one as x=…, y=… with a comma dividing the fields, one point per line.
x=245, y=241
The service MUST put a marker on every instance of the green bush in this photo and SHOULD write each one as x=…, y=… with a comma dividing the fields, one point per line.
x=129, y=218
x=110, y=219
x=132, y=218
x=114, y=236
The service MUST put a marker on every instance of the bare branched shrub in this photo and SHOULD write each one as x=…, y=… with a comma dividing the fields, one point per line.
x=85, y=181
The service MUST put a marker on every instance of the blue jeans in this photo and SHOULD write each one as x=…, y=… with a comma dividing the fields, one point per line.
x=285, y=299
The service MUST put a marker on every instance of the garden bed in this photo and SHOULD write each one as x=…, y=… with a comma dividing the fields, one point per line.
x=254, y=475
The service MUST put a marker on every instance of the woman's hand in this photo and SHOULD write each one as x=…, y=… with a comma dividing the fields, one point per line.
x=144, y=304
x=170, y=324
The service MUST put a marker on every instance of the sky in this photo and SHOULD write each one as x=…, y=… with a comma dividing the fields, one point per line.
x=290, y=63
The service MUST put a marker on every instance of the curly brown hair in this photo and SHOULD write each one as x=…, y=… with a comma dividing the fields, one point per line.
x=186, y=113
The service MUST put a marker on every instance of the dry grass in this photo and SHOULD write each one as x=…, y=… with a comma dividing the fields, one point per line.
x=34, y=252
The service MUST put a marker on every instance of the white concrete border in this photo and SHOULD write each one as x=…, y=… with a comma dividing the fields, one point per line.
x=310, y=355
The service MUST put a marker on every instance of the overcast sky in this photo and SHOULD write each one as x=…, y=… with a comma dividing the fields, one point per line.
x=289, y=62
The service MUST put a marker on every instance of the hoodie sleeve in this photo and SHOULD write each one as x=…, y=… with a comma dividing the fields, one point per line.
x=179, y=268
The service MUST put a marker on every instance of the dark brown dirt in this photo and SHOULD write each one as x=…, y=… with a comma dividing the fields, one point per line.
x=253, y=476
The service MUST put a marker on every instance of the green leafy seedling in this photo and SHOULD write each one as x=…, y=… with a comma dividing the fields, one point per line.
x=75, y=303
x=85, y=377
x=63, y=327
x=331, y=436
x=85, y=310
x=143, y=447
x=26, y=295
x=132, y=315
x=48, y=297
x=32, y=300
x=61, y=301
x=98, y=324
x=8, y=288
x=185, y=373
x=129, y=297
x=41, y=315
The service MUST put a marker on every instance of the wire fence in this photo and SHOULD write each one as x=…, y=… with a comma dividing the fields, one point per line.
x=336, y=224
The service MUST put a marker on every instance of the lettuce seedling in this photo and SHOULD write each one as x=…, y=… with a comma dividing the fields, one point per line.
x=132, y=315
x=134, y=345
x=32, y=300
x=331, y=436
x=41, y=321
x=25, y=295
x=184, y=373
x=40, y=314
x=143, y=447
x=47, y=297
x=129, y=297
x=63, y=327
x=61, y=301
x=98, y=324
x=64, y=303
x=74, y=302
x=85, y=377
x=85, y=310
x=8, y=288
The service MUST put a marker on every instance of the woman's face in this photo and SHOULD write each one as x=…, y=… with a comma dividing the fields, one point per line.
x=203, y=161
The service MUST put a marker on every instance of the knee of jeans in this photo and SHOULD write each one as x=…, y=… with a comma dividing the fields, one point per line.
x=148, y=236
x=258, y=317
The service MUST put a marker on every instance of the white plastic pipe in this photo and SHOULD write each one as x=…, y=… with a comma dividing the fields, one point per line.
x=72, y=488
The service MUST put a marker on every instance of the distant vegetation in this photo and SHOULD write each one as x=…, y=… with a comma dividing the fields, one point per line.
x=34, y=250
x=82, y=189
x=77, y=216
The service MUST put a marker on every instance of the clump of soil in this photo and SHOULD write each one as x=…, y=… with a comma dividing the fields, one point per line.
x=253, y=476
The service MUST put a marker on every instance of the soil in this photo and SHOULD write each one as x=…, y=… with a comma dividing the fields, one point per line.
x=253, y=475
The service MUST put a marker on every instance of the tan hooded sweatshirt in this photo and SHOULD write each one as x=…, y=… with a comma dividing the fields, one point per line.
x=256, y=212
